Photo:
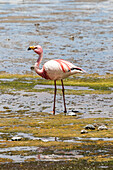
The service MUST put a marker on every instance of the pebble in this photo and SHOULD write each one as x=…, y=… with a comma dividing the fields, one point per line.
x=16, y=138
x=90, y=126
x=72, y=114
x=84, y=131
x=102, y=127
x=37, y=24
x=72, y=37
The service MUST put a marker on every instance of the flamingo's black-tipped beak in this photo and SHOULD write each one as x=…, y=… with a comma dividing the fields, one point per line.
x=31, y=48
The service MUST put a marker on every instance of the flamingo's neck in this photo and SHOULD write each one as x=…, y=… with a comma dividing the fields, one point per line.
x=39, y=59
x=37, y=70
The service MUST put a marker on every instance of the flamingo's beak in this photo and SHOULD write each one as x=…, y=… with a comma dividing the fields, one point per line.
x=31, y=48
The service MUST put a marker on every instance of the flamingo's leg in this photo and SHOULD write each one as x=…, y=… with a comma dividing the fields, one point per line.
x=65, y=110
x=54, y=97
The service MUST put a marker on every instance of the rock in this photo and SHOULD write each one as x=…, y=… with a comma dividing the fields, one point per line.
x=16, y=138
x=71, y=37
x=72, y=114
x=37, y=24
x=10, y=153
x=96, y=125
x=90, y=126
x=84, y=131
x=102, y=127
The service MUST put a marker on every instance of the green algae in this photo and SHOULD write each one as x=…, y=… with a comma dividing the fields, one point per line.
x=55, y=126
x=100, y=84
x=3, y=160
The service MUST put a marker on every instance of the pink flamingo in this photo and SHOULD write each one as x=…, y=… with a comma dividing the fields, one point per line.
x=57, y=69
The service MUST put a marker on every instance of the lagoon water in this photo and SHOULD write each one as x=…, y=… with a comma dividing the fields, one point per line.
x=80, y=31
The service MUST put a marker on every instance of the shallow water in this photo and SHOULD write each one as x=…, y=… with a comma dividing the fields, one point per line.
x=52, y=25
x=17, y=158
x=48, y=154
x=38, y=86
x=90, y=105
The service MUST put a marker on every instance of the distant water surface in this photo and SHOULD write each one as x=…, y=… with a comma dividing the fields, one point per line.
x=80, y=31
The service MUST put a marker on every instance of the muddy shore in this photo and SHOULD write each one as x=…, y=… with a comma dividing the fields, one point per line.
x=30, y=136
x=48, y=141
x=62, y=165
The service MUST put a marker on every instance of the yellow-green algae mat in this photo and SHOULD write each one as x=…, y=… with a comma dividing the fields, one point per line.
x=101, y=84
x=65, y=130
x=94, y=146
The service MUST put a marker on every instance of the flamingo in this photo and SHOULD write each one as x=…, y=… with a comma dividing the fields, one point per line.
x=56, y=69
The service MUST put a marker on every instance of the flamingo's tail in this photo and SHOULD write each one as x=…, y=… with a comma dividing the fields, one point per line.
x=77, y=70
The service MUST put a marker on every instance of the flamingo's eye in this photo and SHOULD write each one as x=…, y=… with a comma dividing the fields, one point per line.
x=35, y=48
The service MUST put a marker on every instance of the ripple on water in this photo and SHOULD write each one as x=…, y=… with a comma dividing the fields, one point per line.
x=31, y=102
x=54, y=23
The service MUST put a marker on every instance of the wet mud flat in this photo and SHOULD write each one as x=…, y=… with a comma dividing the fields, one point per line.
x=30, y=136
x=66, y=165
x=45, y=144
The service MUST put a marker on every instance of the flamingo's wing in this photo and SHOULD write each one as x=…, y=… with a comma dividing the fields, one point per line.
x=60, y=69
x=69, y=67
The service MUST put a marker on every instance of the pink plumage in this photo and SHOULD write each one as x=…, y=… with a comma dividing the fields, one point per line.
x=54, y=70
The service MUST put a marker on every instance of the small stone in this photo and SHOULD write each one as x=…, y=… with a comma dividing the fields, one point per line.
x=90, y=126
x=37, y=24
x=72, y=114
x=10, y=153
x=72, y=37
x=21, y=156
x=95, y=124
x=84, y=131
x=16, y=138
x=8, y=39
x=102, y=127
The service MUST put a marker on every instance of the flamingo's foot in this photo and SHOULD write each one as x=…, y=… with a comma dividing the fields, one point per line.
x=53, y=112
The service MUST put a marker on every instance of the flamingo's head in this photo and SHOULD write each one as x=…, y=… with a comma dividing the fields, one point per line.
x=37, y=49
